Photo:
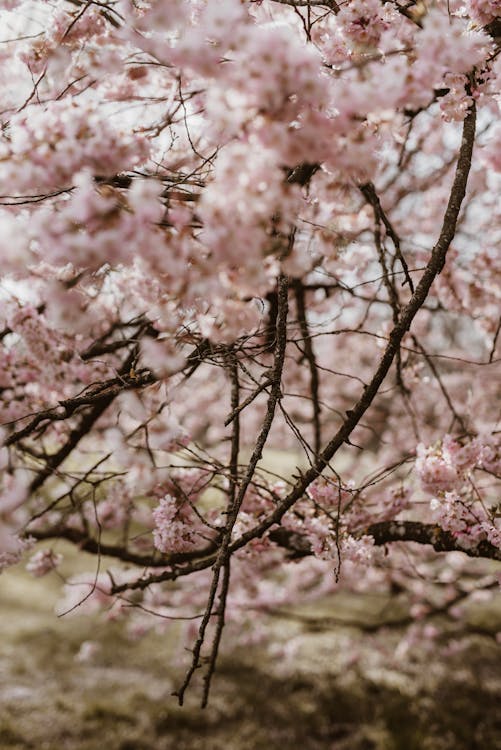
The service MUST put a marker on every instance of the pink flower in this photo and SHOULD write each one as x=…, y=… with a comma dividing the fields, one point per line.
x=43, y=562
x=436, y=471
x=88, y=651
x=177, y=527
x=48, y=145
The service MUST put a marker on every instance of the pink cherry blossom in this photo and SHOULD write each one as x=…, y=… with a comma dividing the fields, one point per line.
x=249, y=309
x=43, y=562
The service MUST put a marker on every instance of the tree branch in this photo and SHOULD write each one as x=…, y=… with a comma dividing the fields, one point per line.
x=433, y=268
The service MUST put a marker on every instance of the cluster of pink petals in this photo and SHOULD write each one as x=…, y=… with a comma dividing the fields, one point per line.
x=484, y=11
x=447, y=465
x=468, y=522
x=362, y=22
x=95, y=226
x=246, y=191
x=47, y=145
x=446, y=470
x=442, y=468
x=39, y=367
x=43, y=562
x=178, y=527
x=456, y=103
x=65, y=30
x=328, y=493
x=174, y=528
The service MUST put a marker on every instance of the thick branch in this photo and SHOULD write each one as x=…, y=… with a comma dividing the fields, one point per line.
x=387, y=532
x=94, y=546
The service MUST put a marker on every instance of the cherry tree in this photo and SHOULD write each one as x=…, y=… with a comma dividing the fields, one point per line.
x=236, y=227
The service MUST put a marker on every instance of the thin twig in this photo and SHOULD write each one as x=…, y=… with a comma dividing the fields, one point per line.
x=309, y=354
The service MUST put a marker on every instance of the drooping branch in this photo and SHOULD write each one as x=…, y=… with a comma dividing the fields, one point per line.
x=224, y=552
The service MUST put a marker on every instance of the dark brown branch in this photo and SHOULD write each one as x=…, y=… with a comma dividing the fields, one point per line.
x=433, y=268
x=302, y=174
x=246, y=402
x=56, y=459
x=99, y=405
x=235, y=434
x=220, y=622
x=387, y=532
x=105, y=392
x=495, y=340
x=106, y=12
x=388, y=279
x=225, y=583
x=94, y=546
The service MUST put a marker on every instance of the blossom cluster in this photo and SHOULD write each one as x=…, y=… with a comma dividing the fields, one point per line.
x=456, y=103
x=178, y=524
x=446, y=470
x=244, y=194
x=43, y=562
x=468, y=521
x=447, y=466
x=96, y=226
x=45, y=146
x=65, y=31
x=175, y=530
x=39, y=365
x=483, y=11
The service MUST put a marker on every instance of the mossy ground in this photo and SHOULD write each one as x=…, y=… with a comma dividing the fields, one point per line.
x=122, y=698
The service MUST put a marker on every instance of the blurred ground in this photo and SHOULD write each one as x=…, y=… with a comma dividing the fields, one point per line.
x=121, y=698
